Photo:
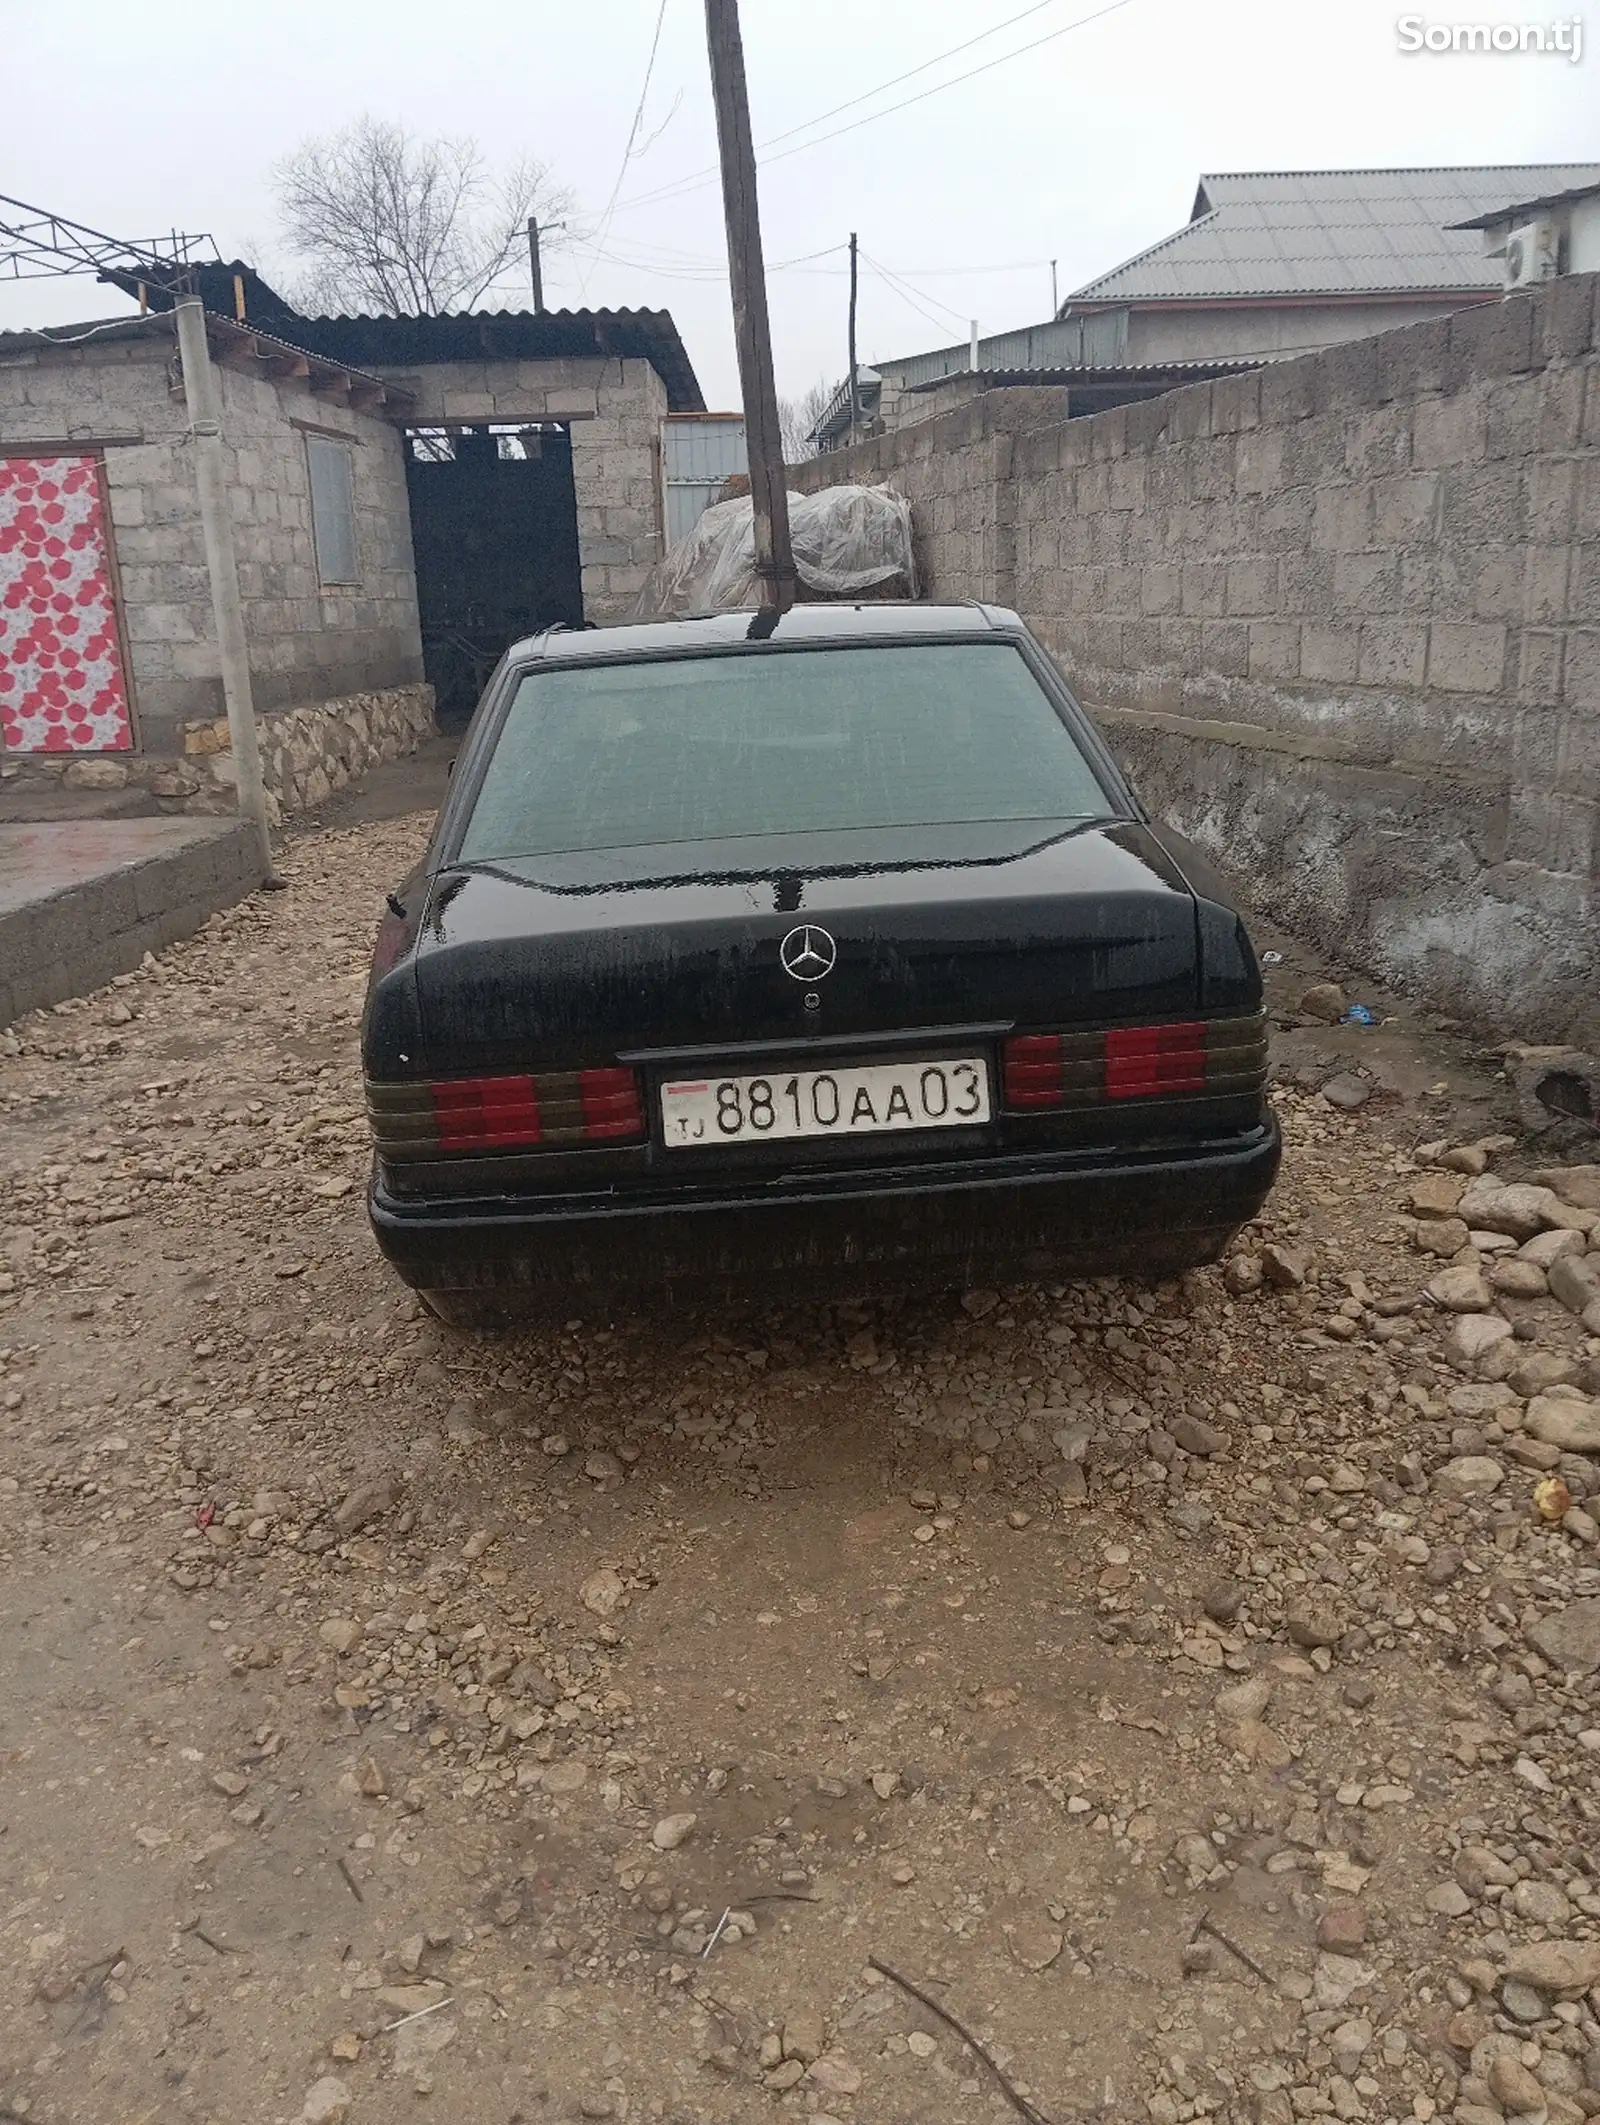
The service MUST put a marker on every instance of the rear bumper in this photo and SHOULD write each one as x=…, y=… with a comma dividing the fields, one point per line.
x=1146, y=1211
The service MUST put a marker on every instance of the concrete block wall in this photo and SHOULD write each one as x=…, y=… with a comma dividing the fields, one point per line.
x=306, y=643
x=955, y=470
x=615, y=409
x=1342, y=618
x=309, y=641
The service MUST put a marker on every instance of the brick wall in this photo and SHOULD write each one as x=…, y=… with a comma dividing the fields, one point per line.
x=1342, y=618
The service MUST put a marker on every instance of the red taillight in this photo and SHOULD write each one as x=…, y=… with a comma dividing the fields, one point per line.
x=1033, y=1070
x=552, y=1108
x=1144, y=1060
x=610, y=1103
x=1127, y=1062
x=485, y=1113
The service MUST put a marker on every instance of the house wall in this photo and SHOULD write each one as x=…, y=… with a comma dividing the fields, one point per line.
x=615, y=409
x=307, y=644
x=1342, y=619
x=1583, y=235
x=1262, y=331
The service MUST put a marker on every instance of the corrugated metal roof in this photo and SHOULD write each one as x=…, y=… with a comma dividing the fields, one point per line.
x=226, y=335
x=463, y=335
x=1099, y=342
x=1516, y=208
x=1331, y=232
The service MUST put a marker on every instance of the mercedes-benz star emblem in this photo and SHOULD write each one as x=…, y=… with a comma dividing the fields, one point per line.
x=808, y=953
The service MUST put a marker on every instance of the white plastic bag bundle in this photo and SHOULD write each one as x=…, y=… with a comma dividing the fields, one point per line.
x=849, y=542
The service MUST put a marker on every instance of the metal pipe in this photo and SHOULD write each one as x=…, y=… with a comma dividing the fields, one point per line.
x=204, y=402
x=972, y=348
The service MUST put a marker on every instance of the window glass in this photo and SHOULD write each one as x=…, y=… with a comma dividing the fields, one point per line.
x=333, y=509
x=608, y=756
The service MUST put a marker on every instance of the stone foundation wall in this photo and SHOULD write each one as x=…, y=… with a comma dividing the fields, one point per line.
x=306, y=754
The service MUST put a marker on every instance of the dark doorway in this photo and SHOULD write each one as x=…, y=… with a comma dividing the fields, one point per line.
x=494, y=527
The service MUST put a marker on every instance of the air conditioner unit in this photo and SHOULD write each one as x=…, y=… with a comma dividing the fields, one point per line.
x=1531, y=254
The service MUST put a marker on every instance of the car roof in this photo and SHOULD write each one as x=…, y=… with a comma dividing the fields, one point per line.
x=878, y=621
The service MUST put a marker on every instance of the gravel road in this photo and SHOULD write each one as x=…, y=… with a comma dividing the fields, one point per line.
x=1191, y=1692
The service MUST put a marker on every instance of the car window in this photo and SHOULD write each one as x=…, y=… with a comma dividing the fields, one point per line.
x=691, y=749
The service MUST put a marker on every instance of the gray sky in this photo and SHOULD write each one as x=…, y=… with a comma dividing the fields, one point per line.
x=1084, y=149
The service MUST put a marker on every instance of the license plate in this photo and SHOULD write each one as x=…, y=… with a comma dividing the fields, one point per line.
x=870, y=1101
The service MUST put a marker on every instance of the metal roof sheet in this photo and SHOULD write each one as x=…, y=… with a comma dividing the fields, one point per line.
x=1519, y=207
x=1331, y=232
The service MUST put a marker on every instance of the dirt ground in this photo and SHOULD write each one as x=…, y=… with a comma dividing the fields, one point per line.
x=570, y=1724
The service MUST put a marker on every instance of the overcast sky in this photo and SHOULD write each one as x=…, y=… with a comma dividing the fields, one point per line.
x=139, y=117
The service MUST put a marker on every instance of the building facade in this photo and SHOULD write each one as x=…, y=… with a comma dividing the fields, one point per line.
x=407, y=496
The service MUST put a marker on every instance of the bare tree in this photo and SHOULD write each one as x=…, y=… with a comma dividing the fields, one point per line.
x=797, y=417
x=392, y=223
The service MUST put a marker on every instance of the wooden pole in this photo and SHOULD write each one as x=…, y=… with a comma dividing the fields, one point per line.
x=751, y=330
x=855, y=399
x=535, y=268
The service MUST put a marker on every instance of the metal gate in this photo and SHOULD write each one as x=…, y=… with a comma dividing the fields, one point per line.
x=699, y=452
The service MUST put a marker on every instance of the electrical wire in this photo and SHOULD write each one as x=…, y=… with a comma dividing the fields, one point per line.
x=904, y=294
x=604, y=222
x=698, y=182
x=898, y=280
x=893, y=82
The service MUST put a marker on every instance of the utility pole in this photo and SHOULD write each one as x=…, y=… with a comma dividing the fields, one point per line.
x=855, y=400
x=748, y=282
x=1055, y=306
x=204, y=402
x=534, y=266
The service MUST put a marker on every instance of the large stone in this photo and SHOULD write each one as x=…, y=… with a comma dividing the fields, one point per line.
x=1570, y=1421
x=1473, y=1337
x=367, y=1502
x=1547, y=1247
x=1244, y=1700
x=1556, y=1966
x=1514, y=2087
x=1324, y=1000
x=327, y=2102
x=1575, y=1281
x=804, y=2036
x=1285, y=1268
x=1491, y=1205
x=1577, y=1185
x=1436, y=1195
x=1541, y=1370
x=1469, y=1476
x=1461, y=1289
x=1571, y=1638
x=1517, y=1279
x=1442, y=1235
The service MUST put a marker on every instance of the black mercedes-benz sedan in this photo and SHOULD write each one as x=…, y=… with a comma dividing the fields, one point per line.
x=749, y=947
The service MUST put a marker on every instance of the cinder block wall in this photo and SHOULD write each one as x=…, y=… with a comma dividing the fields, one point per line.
x=615, y=409
x=307, y=643
x=1342, y=618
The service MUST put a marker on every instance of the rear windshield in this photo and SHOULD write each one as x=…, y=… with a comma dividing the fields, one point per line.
x=611, y=756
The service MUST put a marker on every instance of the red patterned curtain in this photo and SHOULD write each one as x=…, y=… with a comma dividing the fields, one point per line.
x=63, y=688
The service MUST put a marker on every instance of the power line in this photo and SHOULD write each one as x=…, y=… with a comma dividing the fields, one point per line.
x=633, y=133
x=905, y=295
x=898, y=280
x=698, y=182
x=866, y=95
